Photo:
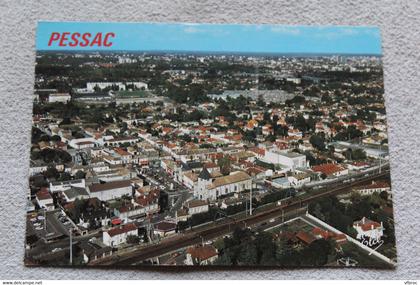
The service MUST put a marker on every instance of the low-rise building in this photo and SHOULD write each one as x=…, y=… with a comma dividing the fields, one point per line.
x=330, y=170
x=197, y=206
x=209, y=188
x=201, y=255
x=368, y=228
x=291, y=160
x=59, y=97
x=164, y=228
x=44, y=199
x=75, y=193
x=374, y=187
x=118, y=235
x=110, y=190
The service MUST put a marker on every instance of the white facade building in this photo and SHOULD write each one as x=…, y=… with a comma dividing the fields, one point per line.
x=369, y=229
x=118, y=235
x=291, y=160
x=209, y=188
x=59, y=97
x=110, y=190
x=66, y=185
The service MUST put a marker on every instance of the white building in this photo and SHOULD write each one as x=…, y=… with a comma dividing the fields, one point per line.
x=110, y=190
x=60, y=186
x=118, y=235
x=74, y=193
x=369, y=229
x=299, y=179
x=82, y=143
x=374, y=187
x=209, y=188
x=291, y=160
x=44, y=199
x=197, y=206
x=59, y=97
x=90, y=86
x=201, y=255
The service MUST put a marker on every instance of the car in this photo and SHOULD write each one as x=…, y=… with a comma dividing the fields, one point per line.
x=56, y=249
x=272, y=220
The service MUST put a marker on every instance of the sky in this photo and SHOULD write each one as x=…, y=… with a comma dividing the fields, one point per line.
x=219, y=38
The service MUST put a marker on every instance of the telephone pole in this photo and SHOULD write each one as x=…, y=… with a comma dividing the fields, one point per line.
x=71, y=245
x=250, y=202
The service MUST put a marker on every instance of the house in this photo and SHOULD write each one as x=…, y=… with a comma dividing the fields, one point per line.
x=110, y=190
x=197, y=206
x=211, y=188
x=59, y=97
x=291, y=160
x=165, y=228
x=118, y=235
x=330, y=170
x=91, y=251
x=201, y=255
x=368, y=228
x=181, y=215
x=190, y=179
x=374, y=187
x=319, y=233
x=44, y=199
x=299, y=179
x=305, y=238
x=60, y=186
x=75, y=193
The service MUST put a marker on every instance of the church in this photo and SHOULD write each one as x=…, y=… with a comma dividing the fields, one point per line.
x=210, y=187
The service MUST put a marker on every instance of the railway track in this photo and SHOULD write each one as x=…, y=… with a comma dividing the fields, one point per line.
x=199, y=235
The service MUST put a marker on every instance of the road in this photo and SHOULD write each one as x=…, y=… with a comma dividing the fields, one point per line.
x=225, y=227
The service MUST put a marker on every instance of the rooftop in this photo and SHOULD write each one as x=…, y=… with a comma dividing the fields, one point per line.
x=109, y=185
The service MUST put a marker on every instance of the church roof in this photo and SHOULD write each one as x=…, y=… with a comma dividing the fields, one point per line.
x=205, y=174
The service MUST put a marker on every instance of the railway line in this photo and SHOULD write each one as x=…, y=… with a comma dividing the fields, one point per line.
x=196, y=236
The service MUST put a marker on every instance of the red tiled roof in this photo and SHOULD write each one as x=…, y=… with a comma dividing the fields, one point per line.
x=305, y=237
x=165, y=226
x=328, y=168
x=202, y=252
x=367, y=224
x=122, y=229
x=120, y=151
x=43, y=194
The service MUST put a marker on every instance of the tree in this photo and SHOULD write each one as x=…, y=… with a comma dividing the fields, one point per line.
x=359, y=154
x=260, y=101
x=317, y=142
x=316, y=254
x=65, y=176
x=51, y=172
x=248, y=255
x=56, y=138
x=250, y=136
x=80, y=174
x=225, y=165
x=133, y=239
x=384, y=195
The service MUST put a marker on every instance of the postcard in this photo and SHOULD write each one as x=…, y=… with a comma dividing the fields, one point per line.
x=218, y=145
